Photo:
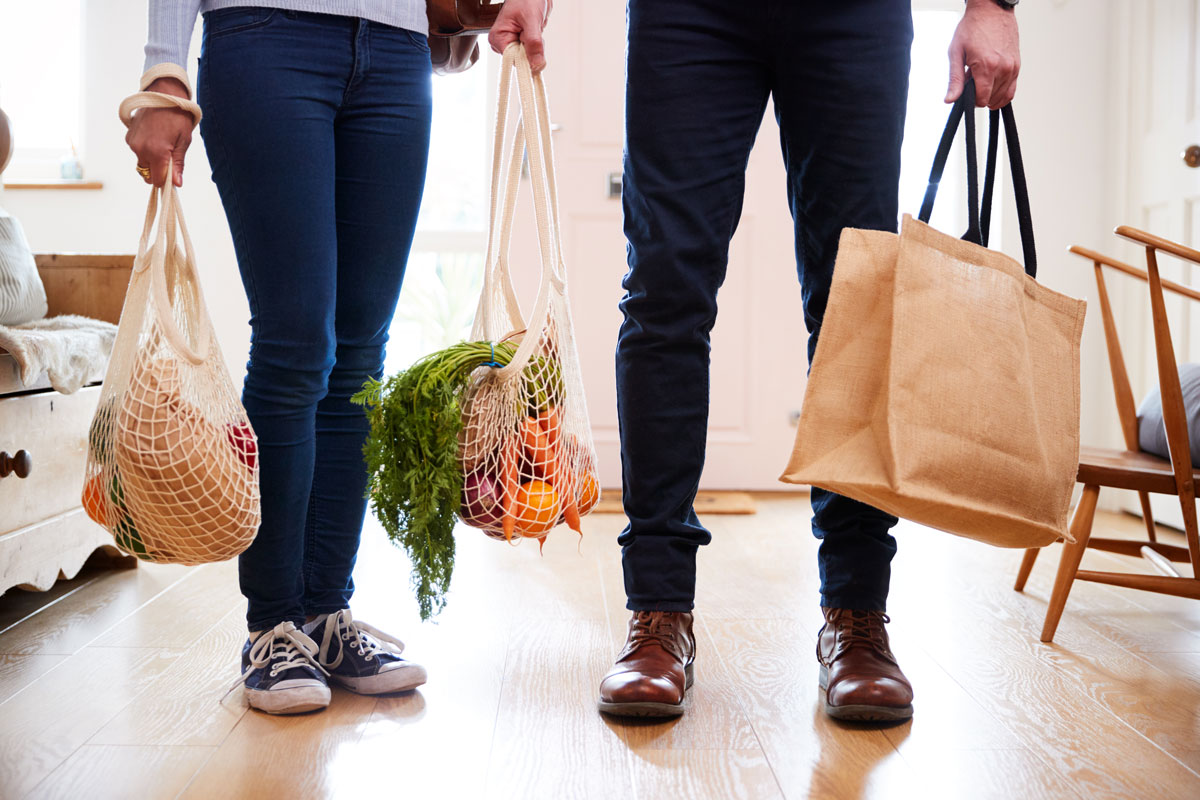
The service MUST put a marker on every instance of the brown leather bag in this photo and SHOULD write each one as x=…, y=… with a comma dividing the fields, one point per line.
x=454, y=27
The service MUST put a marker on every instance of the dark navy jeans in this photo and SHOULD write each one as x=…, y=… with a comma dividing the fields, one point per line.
x=317, y=129
x=699, y=73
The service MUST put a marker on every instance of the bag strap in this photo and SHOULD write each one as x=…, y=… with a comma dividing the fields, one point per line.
x=157, y=100
x=979, y=215
x=943, y=155
x=533, y=139
x=497, y=281
x=164, y=209
x=989, y=178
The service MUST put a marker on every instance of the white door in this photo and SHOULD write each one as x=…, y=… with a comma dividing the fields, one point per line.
x=759, y=359
x=1164, y=192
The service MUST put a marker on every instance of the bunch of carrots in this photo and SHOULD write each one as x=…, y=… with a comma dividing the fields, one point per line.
x=425, y=469
x=528, y=479
x=552, y=484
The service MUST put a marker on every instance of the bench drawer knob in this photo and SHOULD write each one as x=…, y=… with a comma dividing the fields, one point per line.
x=21, y=464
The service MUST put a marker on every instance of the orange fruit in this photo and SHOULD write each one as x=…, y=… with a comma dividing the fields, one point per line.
x=536, y=508
x=589, y=493
x=94, y=501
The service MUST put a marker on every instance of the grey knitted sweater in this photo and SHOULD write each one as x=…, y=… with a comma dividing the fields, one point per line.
x=172, y=21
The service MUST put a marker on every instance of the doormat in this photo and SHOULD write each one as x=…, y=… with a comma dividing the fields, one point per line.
x=706, y=503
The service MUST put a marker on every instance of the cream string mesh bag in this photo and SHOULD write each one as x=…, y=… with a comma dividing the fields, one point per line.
x=526, y=447
x=172, y=467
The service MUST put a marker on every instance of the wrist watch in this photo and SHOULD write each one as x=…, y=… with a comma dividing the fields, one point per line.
x=1007, y=3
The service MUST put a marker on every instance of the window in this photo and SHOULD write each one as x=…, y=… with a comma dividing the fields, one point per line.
x=40, y=75
x=445, y=269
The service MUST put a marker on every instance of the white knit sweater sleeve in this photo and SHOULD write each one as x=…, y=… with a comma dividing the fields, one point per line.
x=171, y=24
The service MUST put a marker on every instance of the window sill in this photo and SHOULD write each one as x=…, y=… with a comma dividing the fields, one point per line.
x=55, y=184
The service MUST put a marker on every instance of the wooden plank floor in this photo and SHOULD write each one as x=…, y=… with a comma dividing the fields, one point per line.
x=114, y=684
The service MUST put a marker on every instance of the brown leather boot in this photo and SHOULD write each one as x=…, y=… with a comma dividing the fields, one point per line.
x=654, y=670
x=859, y=674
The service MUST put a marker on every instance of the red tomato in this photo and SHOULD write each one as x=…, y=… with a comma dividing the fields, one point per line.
x=241, y=437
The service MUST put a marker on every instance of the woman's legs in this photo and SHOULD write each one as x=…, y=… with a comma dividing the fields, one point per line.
x=270, y=96
x=382, y=145
x=317, y=128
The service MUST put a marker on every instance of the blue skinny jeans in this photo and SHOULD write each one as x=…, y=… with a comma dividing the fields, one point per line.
x=317, y=130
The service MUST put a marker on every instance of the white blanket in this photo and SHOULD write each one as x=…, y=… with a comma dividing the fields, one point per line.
x=70, y=349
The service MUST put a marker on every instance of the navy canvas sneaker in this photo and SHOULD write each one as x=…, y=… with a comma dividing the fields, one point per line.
x=280, y=673
x=361, y=658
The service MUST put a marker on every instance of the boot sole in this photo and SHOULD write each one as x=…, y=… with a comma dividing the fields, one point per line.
x=861, y=713
x=651, y=710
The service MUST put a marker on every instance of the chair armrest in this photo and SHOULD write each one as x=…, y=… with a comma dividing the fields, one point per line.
x=1174, y=412
x=1140, y=274
x=1146, y=239
x=85, y=284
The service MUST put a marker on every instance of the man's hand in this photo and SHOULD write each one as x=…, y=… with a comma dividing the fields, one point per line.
x=160, y=136
x=986, y=41
x=523, y=21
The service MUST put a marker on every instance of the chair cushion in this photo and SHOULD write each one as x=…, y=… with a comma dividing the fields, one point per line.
x=22, y=296
x=1152, y=431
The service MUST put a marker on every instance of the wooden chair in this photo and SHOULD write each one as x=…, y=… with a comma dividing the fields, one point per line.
x=1130, y=468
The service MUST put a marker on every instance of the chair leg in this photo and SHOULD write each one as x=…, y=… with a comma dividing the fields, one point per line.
x=1148, y=516
x=1072, y=554
x=1026, y=567
x=1191, y=529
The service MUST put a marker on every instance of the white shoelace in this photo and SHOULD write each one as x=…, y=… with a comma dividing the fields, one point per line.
x=284, y=644
x=359, y=636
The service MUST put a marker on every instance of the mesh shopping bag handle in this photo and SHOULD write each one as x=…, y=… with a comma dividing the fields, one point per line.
x=514, y=176
x=533, y=126
x=141, y=100
x=497, y=279
x=534, y=130
x=979, y=215
x=163, y=208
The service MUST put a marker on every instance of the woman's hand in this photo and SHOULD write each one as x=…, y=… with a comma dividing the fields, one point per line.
x=986, y=41
x=160, y=136
x=522, y=21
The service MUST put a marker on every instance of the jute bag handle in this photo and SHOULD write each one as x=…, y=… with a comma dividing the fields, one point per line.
x=979, y=215
x=534, y=130
x=164, y=208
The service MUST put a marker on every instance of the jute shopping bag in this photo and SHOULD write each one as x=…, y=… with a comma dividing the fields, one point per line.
x=945, y=384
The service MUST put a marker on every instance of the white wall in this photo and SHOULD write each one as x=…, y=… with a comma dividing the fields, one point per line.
x=1063, y=106
x=1067, y=112
x=110, y=220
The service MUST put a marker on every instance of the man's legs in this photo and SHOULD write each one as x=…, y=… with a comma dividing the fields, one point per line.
x=840, y=93
x=841, y=89
x=697, y=83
